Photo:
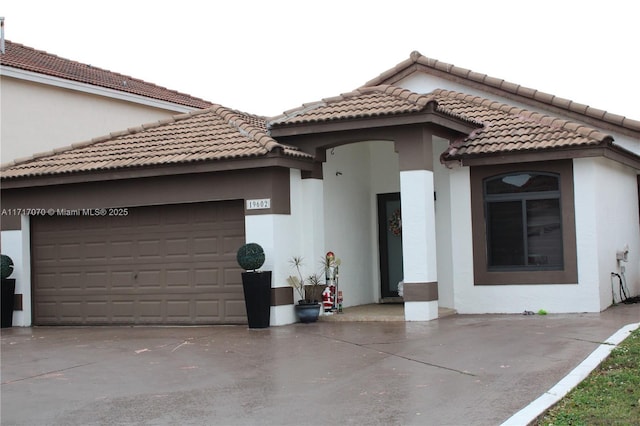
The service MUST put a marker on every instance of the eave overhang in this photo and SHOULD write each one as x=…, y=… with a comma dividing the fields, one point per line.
x=429, y=116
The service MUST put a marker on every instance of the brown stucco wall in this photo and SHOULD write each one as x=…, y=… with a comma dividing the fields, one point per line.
x=268, y=182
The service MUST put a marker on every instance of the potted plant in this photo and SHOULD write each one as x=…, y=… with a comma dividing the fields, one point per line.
x=8, y=288
x=309, y=290
x=255, y=284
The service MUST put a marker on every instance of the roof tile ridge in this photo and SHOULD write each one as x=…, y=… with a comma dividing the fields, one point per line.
x=418, y=99
x=238, y=120
x=413, y=58
x=293, y=112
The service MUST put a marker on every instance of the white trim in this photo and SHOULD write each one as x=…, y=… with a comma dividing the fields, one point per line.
x=92, y=89
x=421, y=311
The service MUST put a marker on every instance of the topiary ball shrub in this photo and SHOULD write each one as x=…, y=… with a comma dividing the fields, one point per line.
x=6, y=266
x=250, y=256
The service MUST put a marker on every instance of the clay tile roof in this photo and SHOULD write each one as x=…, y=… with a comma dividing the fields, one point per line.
x=29, y=59
x=362, y=103
x=216, y=133
x=509, y=129
x=418, y=62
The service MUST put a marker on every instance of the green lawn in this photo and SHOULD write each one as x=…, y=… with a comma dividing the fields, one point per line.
x=609, y=396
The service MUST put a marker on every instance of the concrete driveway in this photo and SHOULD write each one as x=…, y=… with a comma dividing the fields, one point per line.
x=458, y=370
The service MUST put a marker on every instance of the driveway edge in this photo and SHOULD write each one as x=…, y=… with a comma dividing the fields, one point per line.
x=529, y=413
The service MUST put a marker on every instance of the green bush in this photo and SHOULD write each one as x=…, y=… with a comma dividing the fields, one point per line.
x=6, y=266
x=250, y=256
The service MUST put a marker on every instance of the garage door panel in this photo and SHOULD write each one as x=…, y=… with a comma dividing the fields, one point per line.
x=205, y=246
x=177, y=247
x=206, y=278
x=97, y=311
x=121, y=279
x=232, y=278
x=179, y=279
x=117, y=250
x=235, y=310
x=208, y=310
x=158, y=265
x=231, y=243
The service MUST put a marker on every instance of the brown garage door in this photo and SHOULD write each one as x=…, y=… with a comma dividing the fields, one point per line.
x=172, y=264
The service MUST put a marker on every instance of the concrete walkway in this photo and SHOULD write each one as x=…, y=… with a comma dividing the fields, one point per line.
x=376, y=312
x=457, y=370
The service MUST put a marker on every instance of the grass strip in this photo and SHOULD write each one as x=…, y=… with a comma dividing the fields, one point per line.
x=610, y=395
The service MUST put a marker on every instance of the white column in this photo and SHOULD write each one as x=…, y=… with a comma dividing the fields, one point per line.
x=419, y=245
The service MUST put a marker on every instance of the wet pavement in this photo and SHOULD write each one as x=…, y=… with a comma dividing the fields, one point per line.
x=458, y=370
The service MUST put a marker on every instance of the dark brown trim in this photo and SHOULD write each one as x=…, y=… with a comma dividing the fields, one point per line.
x=413, y=144
x=569, y=275
x=421, y=118
x=415, y=152
x=611, y=152
x=17, y=302
x=420, y=292
x=244, y=164
x=281, y=296
x=260, y=183
x=10, y=222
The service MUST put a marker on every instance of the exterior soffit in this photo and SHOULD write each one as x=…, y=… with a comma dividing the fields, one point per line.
x=610, y=152
x=427, y=118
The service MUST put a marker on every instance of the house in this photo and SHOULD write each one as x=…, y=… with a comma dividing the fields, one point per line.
x=480, y=195
x=49, y=102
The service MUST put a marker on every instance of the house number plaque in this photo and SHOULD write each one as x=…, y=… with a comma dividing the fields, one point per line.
x=264, y=203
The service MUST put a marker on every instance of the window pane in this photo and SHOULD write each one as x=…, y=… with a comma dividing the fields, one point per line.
x=522, y=182
x=544, y=233
x=506, y=239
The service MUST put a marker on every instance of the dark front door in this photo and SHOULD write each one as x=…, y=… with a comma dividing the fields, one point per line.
x=390, y=238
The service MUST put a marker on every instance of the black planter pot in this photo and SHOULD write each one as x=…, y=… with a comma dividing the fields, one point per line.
x=308, y=312
x=8, y=288
x=257, y=297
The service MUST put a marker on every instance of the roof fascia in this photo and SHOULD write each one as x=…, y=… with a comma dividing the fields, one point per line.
x=613, y=153
x=92, y=89
x=269, y=160
x=429, y=117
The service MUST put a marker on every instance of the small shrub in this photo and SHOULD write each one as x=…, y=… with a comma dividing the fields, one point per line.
x=6, y=266
x=250, y=256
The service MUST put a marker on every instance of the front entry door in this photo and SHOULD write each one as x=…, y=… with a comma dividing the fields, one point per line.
x=390, y=239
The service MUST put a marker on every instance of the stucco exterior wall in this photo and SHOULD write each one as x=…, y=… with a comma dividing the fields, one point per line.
x=607, y=221
x=447, y=260
x=472, y=299
x=348, y=219
x=38, y=118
